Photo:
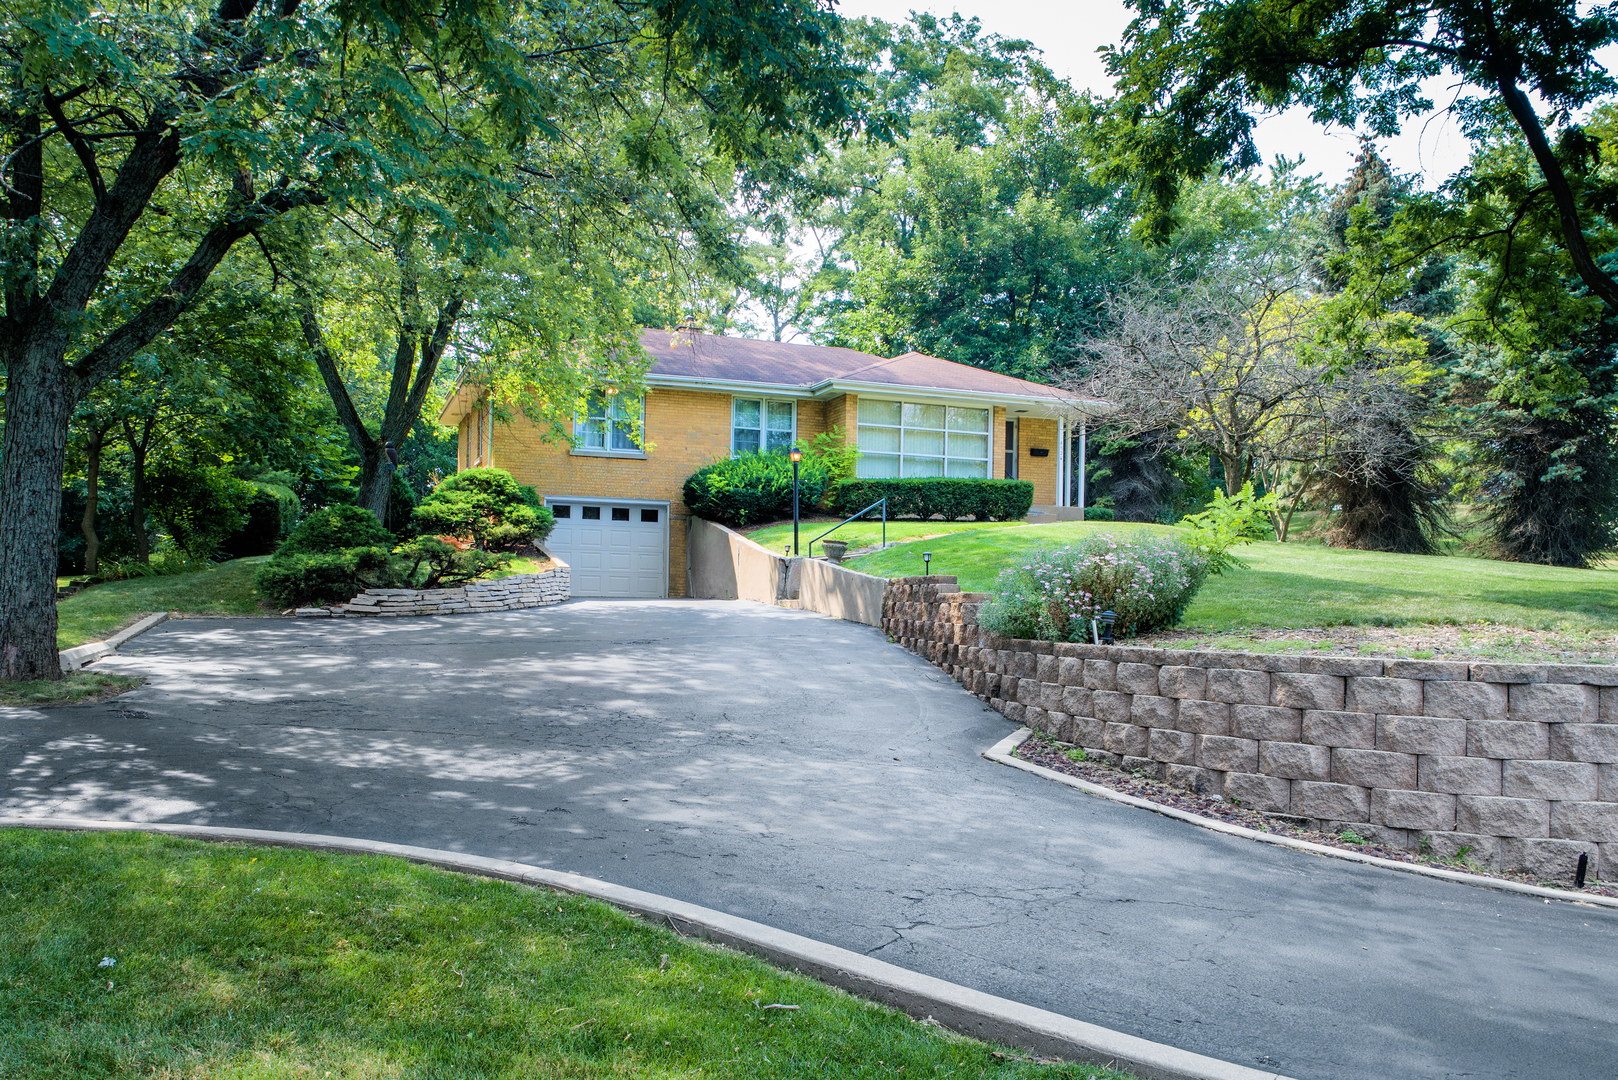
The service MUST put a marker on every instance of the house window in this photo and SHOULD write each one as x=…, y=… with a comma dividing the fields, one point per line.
x=902, y=439
x=759, y=425
x=608, y=423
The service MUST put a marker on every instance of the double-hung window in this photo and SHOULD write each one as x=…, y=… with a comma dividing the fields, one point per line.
x=761, y=426
x=607, y=424
x=904, y=439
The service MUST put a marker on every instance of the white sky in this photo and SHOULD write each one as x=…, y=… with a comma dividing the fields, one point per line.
x=1070, y=31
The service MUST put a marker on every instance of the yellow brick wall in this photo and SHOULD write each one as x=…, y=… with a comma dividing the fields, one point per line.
x=997, y=444
x=684, y=429
x=811, y=419
x=1042, y=471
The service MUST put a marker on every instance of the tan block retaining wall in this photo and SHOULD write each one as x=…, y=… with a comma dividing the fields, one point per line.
x=502, y=594
x=1518, y=762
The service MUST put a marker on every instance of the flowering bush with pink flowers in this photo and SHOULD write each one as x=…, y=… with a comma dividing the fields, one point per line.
x=1052, y=594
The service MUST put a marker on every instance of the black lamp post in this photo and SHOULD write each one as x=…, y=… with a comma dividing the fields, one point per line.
x=926, y=562
x=796, y=455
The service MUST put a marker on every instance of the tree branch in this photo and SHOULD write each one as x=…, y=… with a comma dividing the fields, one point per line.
x=118, y=346
x=86, y=153
x=327, y=366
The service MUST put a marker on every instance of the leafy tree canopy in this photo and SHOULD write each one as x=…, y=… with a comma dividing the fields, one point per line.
x=1195, y=76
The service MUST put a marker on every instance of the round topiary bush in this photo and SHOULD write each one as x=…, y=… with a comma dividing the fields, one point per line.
x=485, y=507
x=1052, y=594
x=753, y=488
x=336, y=528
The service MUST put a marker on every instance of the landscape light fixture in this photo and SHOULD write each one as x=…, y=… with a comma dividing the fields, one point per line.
x=1107, y=619
x=796, y=455
x=610, y=388
x=1583, y=869
x=926, y=562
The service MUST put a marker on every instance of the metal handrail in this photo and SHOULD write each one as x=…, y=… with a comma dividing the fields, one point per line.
x=883, y=503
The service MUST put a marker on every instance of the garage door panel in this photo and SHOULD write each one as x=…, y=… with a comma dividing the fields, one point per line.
x=620, y=550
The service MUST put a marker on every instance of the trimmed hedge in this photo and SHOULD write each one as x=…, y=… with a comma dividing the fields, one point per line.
x=303, y=580
x=753, y=488
x=939, y=496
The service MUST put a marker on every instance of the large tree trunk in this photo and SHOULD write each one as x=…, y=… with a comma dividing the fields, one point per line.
x=92, y=494
x=376, y=481
x=39, y=407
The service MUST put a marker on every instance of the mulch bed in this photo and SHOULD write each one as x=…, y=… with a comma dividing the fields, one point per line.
x=1041, y=750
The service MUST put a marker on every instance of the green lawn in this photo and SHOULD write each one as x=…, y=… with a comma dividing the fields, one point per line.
x=231, y=961
x=861, y=534
x=105, y=609
x=1307, y=585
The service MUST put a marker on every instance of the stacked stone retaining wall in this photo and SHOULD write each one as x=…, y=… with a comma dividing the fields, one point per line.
x=502, y=594
x=1516, y=762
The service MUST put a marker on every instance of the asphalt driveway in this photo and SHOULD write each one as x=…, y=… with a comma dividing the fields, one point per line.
x=808, y=774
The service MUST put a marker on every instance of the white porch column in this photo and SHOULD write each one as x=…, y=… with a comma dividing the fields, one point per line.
x=1084, y=430
x=1061, y=462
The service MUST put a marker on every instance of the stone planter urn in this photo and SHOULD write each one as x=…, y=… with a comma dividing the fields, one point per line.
x=835, y=549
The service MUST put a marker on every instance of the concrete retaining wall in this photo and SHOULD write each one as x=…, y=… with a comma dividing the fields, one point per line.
x=1517, y=762
x=839, y=592
x=725, y=565
x=501, y=594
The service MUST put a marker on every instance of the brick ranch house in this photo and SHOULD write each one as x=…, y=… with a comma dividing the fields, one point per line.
x=620, y=521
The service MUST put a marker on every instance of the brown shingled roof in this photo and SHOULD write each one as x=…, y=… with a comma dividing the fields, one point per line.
x=688, y=354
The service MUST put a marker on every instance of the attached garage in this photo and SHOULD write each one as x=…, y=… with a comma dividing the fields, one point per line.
x=615, y=547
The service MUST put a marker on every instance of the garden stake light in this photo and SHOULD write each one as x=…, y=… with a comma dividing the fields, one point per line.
x=926, y=562
x=796, y=455
x=1107, y=619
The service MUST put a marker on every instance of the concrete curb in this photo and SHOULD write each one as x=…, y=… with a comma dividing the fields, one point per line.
x=76, y=658
x=982, y=1016
x=1000, y=753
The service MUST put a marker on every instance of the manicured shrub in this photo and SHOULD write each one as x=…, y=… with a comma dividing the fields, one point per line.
x=335, y=529
x=753, y=488
x=1052, y=594
x=1098, y=513
x=949, y=498
x=260, y=534
x=429, y=563
x=306, y=579
x=484, y=507
x=198, y=506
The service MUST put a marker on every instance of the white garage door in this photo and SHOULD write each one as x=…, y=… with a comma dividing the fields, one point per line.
x=615, y=547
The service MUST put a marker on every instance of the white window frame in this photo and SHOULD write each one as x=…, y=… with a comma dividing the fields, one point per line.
x=987, y=461
x=610, y=422
x=764, y=404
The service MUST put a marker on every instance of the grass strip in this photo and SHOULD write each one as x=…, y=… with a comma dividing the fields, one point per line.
x=1307, y=585
x=135, y=955
x=103, y=610
x=73, y=688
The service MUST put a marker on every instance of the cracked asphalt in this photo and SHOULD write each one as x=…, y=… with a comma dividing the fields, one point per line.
x=808, y=774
